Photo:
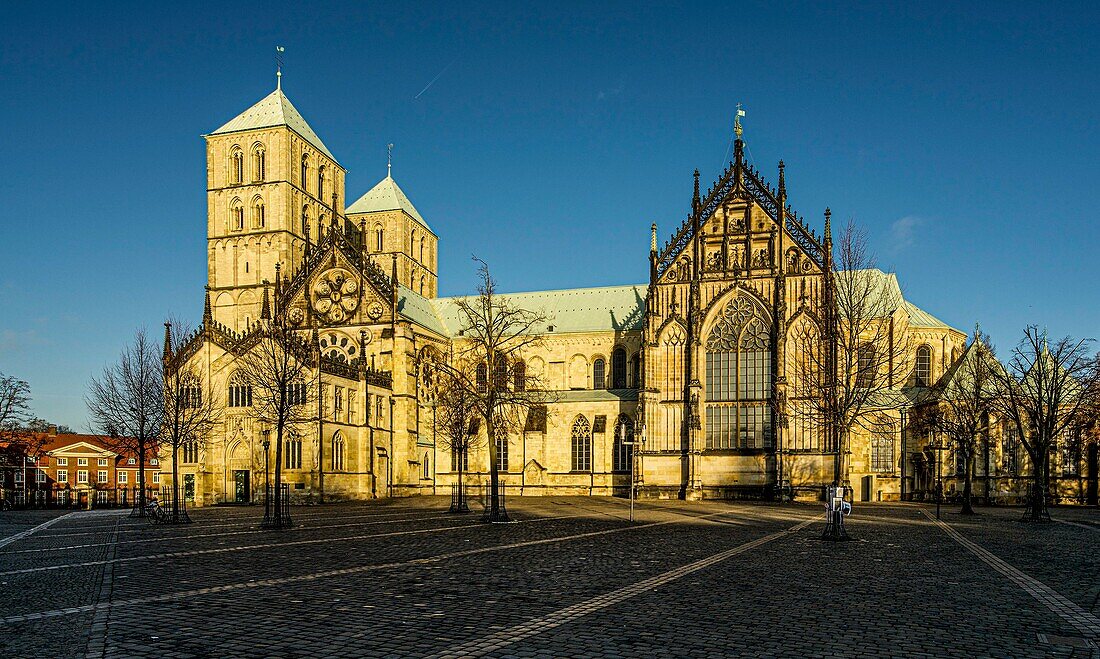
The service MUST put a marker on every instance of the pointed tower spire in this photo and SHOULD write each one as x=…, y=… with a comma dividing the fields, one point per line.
x=828, y=228
x=207, y=313
x=695, y=195
x=782, y=179
x=278, y=288
x=653, y=239
x=167, y=354
x=265, y=311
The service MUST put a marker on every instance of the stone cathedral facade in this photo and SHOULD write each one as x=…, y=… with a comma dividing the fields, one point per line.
x=694, y=365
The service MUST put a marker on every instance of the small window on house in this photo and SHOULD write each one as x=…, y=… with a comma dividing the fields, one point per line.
x=82, y=462
x=62, y=462
x=102, y=462
x=123, y=477
x=379, y=238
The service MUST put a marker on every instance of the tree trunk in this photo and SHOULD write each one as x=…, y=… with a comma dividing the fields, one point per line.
x=494, y=475
x=1037, y=499
x=175, y=482
x=277, y=512
x=141, y=475
x=968, y=484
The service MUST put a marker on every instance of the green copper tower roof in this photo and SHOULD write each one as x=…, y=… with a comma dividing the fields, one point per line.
x=275, y=109
x=386, y=196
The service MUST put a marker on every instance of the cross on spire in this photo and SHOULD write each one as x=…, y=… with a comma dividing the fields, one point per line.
x=737, y=121
x=389, y=159
x=279, y=67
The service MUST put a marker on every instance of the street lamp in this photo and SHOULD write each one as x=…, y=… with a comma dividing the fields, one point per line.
x=937, y=447
x=267, y=482
x=622, y=440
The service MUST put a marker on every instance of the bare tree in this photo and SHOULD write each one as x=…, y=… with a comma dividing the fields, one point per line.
x=457, y=417
x=847, y=362
x=127, y=404
x=189, y=412
x=276, y=369
x=1045, y=389
x=489, y=365
x=17, y=440
x=964, y=404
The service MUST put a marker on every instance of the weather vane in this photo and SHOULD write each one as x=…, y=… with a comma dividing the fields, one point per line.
x=737, y=121
x=389, y=158
x=279, y=66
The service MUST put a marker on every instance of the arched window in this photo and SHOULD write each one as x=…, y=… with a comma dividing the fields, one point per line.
x=460, y=458
x=635, y=371
x=236, y=166
x=321, y=183
x=500, y=373
x=423, y=280
x=865, y=365
x=292, y=453
x=236, y=215
x=923, y=370
x=338, y=446
x=502, y=449
x=599, y=369
x=258, y=219
x=426, y=467
x=581, y=445
x=519, y=376
x=191, y=395
x=412, y=243
x=882, y=452
x=738, y=374
x=422, y=239
x=624, y=449
x=305, y=222
x=304, y=177
x=259, y=163
x=240, y=392
x=618, y=369
x=482, y=377
x=379, y=238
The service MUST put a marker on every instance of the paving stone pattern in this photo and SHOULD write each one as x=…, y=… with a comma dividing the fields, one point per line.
x=571, y=577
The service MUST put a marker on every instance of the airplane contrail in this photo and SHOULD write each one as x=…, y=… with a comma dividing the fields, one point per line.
x=434, y=79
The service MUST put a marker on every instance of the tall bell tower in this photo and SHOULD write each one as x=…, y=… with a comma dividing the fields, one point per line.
x=271, y=183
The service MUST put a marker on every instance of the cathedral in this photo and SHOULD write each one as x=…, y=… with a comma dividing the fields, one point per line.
x=686, y=383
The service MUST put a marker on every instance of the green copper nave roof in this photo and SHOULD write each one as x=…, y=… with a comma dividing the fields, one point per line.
x=386, y=196
x=275, y=109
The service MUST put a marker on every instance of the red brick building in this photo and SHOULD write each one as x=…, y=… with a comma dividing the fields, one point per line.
x=78, y=470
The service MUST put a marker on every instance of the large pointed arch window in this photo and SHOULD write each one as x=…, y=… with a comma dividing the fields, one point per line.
x=581, y=445
x=305, y=172
x=321, y=183
x=738, y=372
x=624, y=438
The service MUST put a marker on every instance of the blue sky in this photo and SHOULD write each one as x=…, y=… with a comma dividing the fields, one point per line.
x=962, y=137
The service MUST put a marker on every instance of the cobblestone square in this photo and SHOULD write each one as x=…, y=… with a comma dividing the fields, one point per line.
x=569, y=577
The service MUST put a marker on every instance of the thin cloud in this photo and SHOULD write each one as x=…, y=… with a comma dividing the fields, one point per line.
x=903, y=232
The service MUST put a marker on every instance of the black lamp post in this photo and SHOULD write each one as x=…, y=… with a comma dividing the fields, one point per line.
x=267, y=481
x=937, y=447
